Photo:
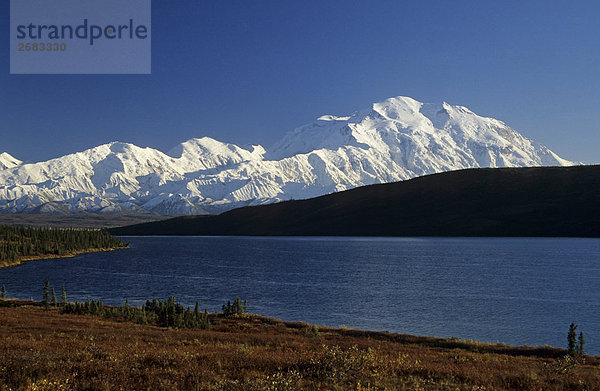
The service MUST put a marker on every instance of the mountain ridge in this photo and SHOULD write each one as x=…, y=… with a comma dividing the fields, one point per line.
x=396, y=139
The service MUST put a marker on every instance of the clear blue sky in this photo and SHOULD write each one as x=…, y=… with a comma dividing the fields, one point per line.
x=249, y=71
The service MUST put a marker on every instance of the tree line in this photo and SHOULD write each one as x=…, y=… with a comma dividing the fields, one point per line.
x=164, y=313
x=22, y=242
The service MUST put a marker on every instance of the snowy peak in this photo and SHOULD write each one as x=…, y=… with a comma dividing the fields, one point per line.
x=207, y=153
x=421, y=137
x=399, y=109
x=7, y=161
x=396, y=139
x=328, y=132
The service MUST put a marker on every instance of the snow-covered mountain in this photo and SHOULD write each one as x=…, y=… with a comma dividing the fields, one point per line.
x=7, y=161
x=397, y=139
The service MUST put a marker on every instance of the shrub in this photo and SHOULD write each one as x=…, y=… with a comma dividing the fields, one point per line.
x=311, y=332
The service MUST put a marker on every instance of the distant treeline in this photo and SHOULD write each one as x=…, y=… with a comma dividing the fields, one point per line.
x=18, y=243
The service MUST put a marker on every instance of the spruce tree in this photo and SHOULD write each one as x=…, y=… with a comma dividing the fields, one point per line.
x=238, y=307
x=581, y=344
x=127, y=309
x=46, y=294
x=63, y=297
x=572, y=339
x=54, y=301
x=3, y=293
x=226, y=308
x=143, y=319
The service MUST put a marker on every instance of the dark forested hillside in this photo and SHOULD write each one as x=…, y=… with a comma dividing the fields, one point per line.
x=541, y=201
x=22, y=243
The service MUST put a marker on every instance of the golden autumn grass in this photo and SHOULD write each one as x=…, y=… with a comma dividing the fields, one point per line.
x=45, y=350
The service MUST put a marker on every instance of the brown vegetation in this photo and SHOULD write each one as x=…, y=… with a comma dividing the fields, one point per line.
x=45, y=350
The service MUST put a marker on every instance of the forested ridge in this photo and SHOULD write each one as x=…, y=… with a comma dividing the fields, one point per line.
x=22, y=243
x=509, y=202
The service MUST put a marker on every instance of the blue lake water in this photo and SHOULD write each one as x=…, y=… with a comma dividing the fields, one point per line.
x=515, y=291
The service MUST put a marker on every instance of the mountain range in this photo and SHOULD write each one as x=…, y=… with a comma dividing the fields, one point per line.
x=394, y=140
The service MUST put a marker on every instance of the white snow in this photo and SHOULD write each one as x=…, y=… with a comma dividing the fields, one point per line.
x=397, y=139
x=7, y=161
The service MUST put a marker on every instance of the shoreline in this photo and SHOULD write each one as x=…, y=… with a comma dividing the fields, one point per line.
x=546, y=351
x=21, y=261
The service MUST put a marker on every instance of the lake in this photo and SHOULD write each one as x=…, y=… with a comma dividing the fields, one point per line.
x=515, y=291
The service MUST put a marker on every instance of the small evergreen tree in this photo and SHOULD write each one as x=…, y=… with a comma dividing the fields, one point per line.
x=581, y=344
x=237, y=308
x=572, y=339
x=3, y=293
x=54, y=301
x=226, y=307
x=143, y=318
x=63, y=297
x=127, y=309
x=46, y=294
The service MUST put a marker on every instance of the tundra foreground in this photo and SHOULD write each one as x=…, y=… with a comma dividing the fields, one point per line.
x=45, y=350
